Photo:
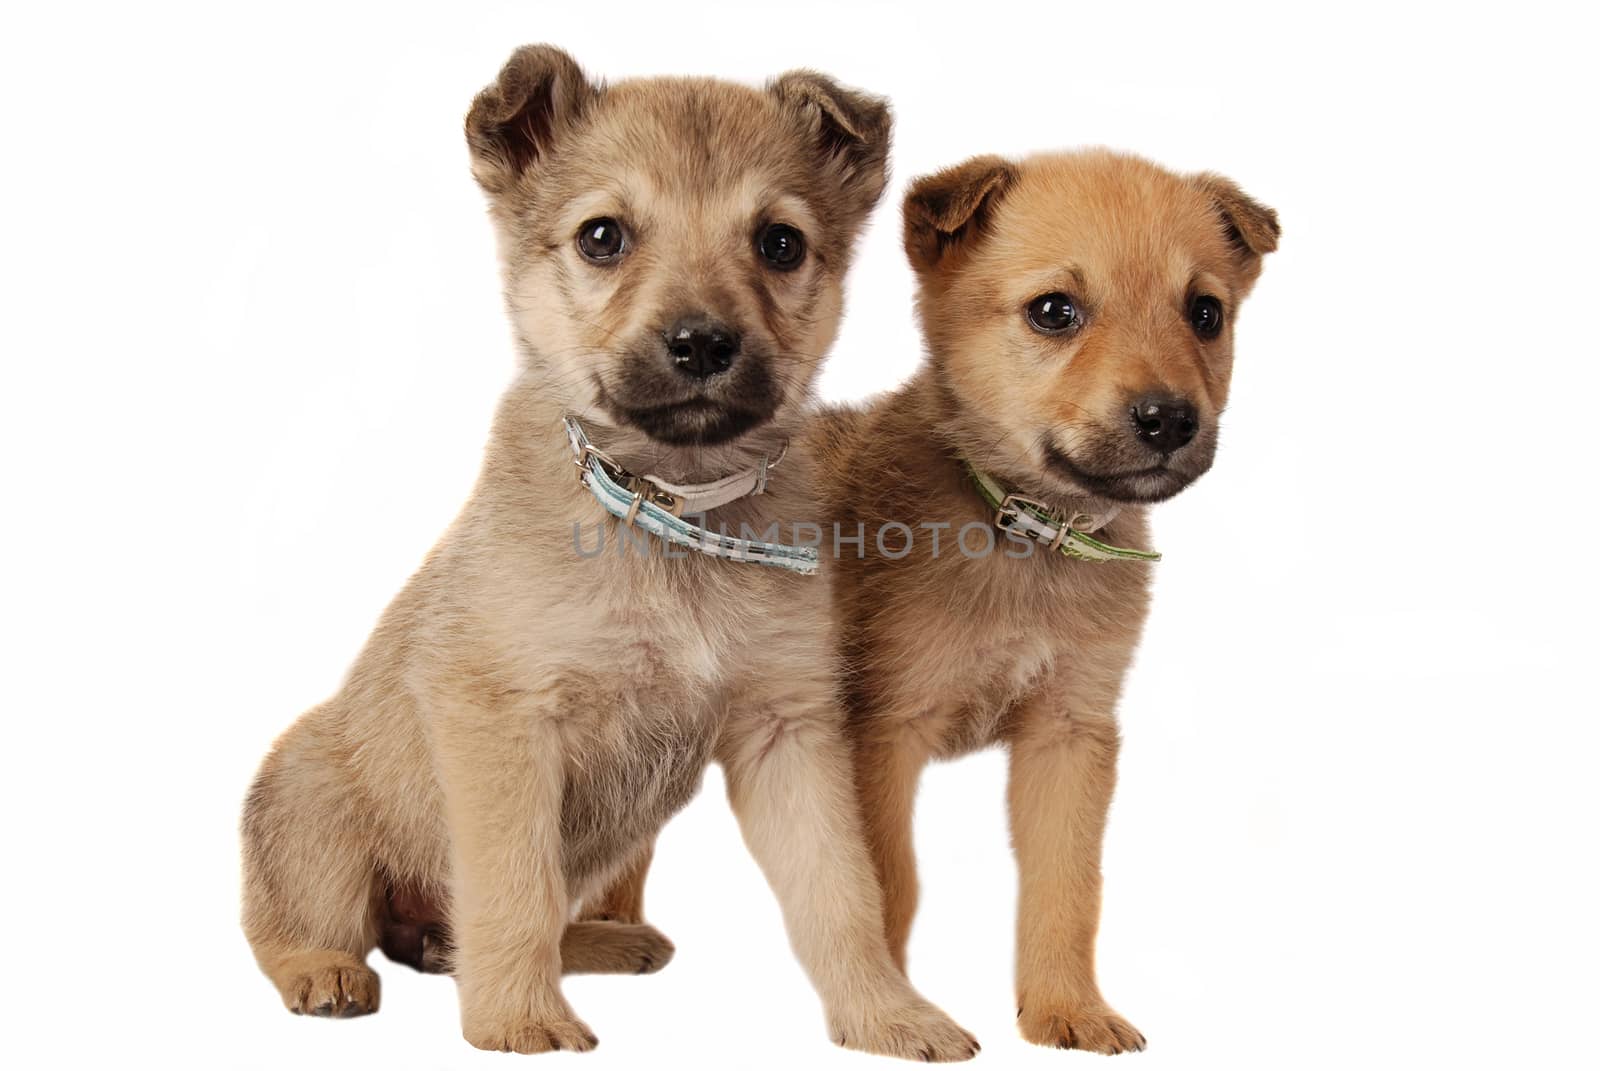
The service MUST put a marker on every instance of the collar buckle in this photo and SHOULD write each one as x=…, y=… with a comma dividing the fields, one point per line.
x=588, y=452
x=1010, y=512
x=1038, y=522
x=643, y=489
x=646, y=491
x=657, y=507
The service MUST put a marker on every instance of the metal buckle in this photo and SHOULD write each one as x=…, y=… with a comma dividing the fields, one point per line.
x=1011, y=508
x=644, y=490
x=641, y=489
x=594, y=453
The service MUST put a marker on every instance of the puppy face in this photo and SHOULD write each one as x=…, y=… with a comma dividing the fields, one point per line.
x=1080, y=309
x=675, y=248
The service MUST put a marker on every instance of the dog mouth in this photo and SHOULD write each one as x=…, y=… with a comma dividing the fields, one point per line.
x=646, y=393
x=1153, y=483
x=693, y=421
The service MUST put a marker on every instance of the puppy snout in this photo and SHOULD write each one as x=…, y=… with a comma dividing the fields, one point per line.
x=700, y=347
x=1164, y=423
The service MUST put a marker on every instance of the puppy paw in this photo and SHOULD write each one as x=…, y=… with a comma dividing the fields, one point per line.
x=614, y=948
x=1094, y=1029
x=912, y=1031
x=337, y=989
x=530, y=1035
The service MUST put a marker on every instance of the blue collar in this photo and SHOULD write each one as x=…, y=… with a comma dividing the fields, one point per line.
x=649, y=504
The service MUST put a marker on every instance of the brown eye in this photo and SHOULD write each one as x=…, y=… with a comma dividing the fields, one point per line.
x=1205, y=316
x=600, y=240
x=781, y=246
x=1054, y=314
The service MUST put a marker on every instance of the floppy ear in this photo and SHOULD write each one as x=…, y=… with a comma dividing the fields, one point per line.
x=539, y=96
x=946, y=211
x=849, y=130
x=1251, y=227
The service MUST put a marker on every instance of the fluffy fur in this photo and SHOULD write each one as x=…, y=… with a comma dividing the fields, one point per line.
x=524, y=718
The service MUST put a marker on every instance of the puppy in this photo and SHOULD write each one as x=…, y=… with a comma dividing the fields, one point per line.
x=529, y=712
x=1079, y=313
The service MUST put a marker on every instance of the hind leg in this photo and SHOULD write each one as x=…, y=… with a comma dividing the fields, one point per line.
x=414, y=928
x=888, y=762
x=309, y=889
x=610, y=936
x=324, y=982
x=586, y=948
x=613, y=948
x=623, y=899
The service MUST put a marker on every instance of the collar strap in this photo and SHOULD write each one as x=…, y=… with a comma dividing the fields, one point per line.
x=698, y=498
x=657, y=507
x=676, y=498
x=1035, y=520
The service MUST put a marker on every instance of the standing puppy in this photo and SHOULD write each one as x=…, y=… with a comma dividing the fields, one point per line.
x=1079, y=314
x=529, y=712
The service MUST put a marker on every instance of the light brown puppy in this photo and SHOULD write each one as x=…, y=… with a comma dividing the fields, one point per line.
x=527, y=713
x=1079, y=314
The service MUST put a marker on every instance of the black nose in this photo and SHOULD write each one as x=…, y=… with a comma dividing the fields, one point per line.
x=700, y=347
x=1164, y=423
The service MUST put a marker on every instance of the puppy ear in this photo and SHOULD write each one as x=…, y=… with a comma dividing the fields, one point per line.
x=540, y=94
x=849, y=129
x=1251, y=227
x=946, y=211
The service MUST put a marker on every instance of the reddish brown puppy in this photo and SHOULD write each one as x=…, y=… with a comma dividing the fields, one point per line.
x=1079, y=313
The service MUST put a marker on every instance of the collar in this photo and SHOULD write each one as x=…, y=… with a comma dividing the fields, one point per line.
x=1035, y=520
x=658, y=507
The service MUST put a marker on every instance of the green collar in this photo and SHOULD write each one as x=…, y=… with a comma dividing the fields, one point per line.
x=1036, y=521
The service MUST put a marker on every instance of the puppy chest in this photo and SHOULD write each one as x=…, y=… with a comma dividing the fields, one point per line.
x=1001, y=671
x=624, y=784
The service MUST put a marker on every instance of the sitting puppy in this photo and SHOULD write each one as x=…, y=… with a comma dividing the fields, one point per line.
x=529, y=711
x=1079, y=316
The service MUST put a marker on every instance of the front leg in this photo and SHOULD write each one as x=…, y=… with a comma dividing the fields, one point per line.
x=501, y=768
x=1063, y=771
x=788, y=772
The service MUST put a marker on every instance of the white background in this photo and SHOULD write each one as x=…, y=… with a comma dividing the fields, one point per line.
x=253, y=336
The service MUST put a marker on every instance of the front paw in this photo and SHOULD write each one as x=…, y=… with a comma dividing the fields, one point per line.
x=914, y=1030
x=529, y=1034
x=1096, y=1028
